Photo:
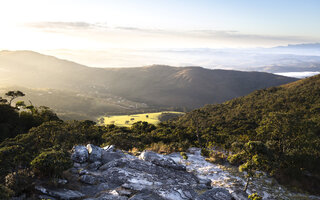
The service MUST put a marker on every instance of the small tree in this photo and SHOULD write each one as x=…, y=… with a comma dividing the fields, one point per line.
x=255, y=158
x=14, y=94
x=20, y=104
x=3, y=101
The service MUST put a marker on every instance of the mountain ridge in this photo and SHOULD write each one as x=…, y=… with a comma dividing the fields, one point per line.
x=155, y=85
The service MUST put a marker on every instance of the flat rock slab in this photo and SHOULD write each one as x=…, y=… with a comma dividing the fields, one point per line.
x=216, y=194
x=63, y=194
x=160, y=160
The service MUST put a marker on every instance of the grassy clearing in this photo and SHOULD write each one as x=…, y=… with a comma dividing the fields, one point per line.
x=128, y=120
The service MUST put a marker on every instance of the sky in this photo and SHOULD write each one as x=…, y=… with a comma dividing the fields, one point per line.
x=101, y=24
x=93, y=32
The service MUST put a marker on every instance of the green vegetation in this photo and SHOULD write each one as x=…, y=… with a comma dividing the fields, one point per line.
x=275, y=130
x=51, y=163
x=254, y=196
x=128, y=120
x=76, y=91
x=184, y=155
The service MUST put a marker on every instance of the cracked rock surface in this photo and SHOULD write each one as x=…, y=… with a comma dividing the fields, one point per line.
x=102, y=174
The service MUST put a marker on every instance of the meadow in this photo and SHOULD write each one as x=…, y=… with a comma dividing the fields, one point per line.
x=128, y=120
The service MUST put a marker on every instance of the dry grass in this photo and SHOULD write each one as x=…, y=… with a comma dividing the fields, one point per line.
x=217, y=157
x=134, y=151
x=161, y=148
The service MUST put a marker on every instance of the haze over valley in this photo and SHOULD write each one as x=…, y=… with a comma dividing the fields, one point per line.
x=80, y=91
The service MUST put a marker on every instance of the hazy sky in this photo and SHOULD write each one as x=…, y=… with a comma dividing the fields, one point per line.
x=103, y=24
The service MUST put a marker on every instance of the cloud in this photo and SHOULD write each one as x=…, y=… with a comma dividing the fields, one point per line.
x=218, y=34
x=56, y=26
x=174, y=37
x=236, y=35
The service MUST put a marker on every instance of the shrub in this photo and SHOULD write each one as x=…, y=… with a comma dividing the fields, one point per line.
x=134, y=151
x=19, y=181
x=254, y=196
x=184, y=155
x=162, y=148
x=217, y=157
x=205, y=152
x=5, y=193
x=236, y=159
x=51, y=163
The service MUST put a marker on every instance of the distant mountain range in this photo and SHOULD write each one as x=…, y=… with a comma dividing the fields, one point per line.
x=129, y=89
x=302, y=46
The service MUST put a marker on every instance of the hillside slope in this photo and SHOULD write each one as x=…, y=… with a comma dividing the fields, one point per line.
x=285, y=119
x=156, y=85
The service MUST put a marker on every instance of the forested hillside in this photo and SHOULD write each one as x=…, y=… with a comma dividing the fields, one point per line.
x=275, y=130
x=284, y=123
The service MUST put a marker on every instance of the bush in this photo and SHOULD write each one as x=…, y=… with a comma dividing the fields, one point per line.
x=205, y=152
x=254, y=196
x=19, y=181
x=184, y=155
x=236, y=159
x=162, y=148
x=5, y=193
x=51, y=163
x=217, y=157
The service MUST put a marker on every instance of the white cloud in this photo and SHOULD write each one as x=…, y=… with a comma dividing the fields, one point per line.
x=122, y=36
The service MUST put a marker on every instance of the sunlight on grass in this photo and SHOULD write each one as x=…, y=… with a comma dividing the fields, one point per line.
x=128, y=120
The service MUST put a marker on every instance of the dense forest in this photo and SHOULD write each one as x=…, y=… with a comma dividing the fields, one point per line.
x=275, y=130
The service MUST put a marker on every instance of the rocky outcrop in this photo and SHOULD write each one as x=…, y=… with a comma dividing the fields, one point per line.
x=80, y=154
x=160, y=160
x=63, y=194
x=95, y=153
x=215, y=194
x=102, y=174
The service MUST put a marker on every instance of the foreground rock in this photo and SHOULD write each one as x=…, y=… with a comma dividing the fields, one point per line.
x=95, y=153
x=80, y=154
x=215, y=194
x=102, y=174
x=160, y=160
x=63, y=194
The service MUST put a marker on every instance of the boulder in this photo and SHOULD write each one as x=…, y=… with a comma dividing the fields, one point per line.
x=124, y=192
x=80, y=154
x=240, y=194
x=62, y=181
x=88, y=179
x=46, y=197
x=95, y=165
x=216, y=194
x=109, y=156
x=95, y=153
x=80, y=165
x=146, y=195
x=206, y=182
x=160, y=160
x=63, y=194
x=109, y=148
x=108, y=196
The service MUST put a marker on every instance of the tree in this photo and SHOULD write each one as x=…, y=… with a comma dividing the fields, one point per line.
x=20, y=104
x=255, y=157
x=14, y=94
x=3, y=101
